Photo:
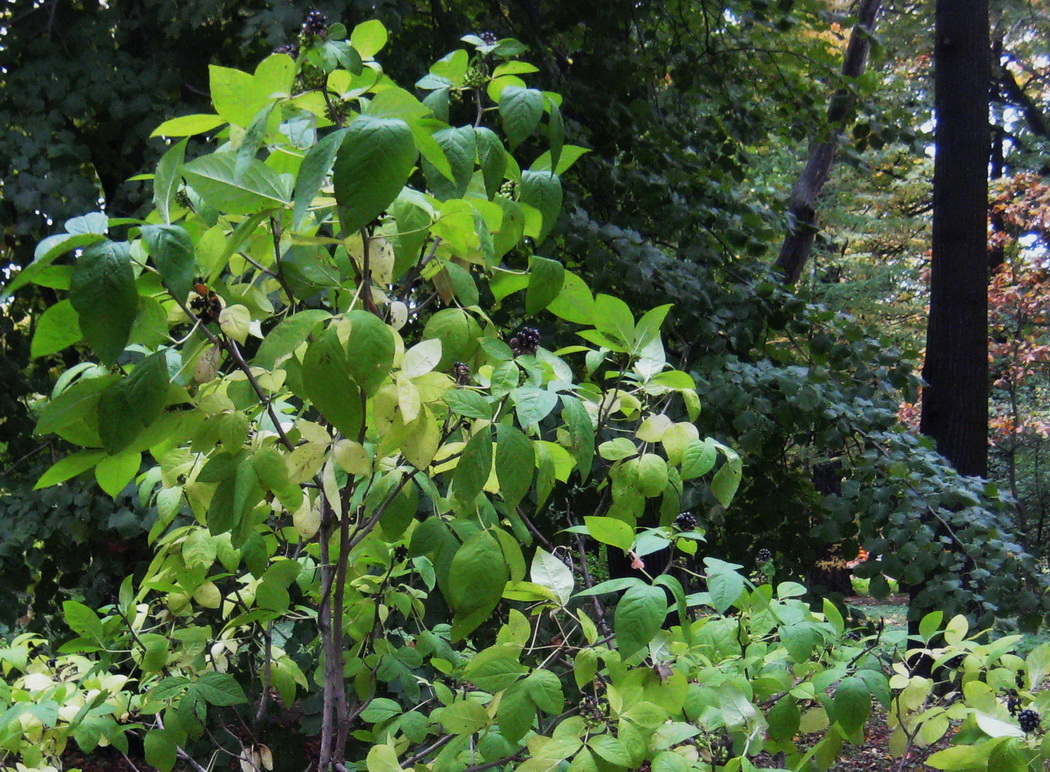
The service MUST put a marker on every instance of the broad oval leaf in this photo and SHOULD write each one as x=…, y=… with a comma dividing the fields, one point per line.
x=638, y=616
x=102, y=290
x=171, y=248
x=57, y=328
x=219, y=181
x=372, y=164
x=520, y=109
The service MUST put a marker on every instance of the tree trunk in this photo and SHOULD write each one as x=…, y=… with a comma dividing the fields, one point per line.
x=802, y=206
x=955, y=399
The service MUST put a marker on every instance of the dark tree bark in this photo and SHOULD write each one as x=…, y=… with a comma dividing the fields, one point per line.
x=955, y=399
x=802, y=206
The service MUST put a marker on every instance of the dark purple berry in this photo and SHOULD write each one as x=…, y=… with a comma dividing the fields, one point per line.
x=764, y=555
x=316, y=23
x=461, y=372
x=1029, y=720
x=1013, y=702
x=525, y=341
x=685, y=521
x=288, y=48
x=489, y=38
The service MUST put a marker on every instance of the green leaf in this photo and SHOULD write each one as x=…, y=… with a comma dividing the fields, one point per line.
x=570, y=155
x=464, y=717
x=326, y=381
x=520, y=109
x=57, y=328
x=475, y=464
x=784, y=719
x=516, y=712
x=611, y=585
x=545, y=282
x=533, y=405
x=380, y=709
x=372, y=164
x=584, y=667
x=668, y=761
x=458, y=332
x=171, y=248
x=69, y=467
x=492, y=157
x=167, y=179
x=548, y=571
x=115, y=472
x=47, y=251
x=495, y=668
x=382, y=758
x=724, y=584
x=698, y=459
x=964, y=757
x=161, y=749
x=609, y=530
x=232, y=93
x=133, y=403
x=368, y=38
x=800, y=639
x=581, y=433
x=220, y=689
x=255, y=189
x=188, y=125
x=76, y=406
x=515, y=463
x=727, y=479
x=470, y=404
x=459, y=148
x=617, y=449
x=82, y=620
x=545, y=691
x=372, y=344
x=574, y=302
x=477, y=577
x=652, y=475
x=638, y=617
x=610, y=748
x=852, y=704
x=283, y=339
x=542, y=191
x=613, y=317
x=930, y=624
x=102, y=290
x=316, y=165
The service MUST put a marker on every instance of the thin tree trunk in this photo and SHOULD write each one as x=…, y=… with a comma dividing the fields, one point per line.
x=802, y=206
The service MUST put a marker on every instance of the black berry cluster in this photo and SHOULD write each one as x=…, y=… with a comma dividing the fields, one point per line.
x=764, y=555
x=461, y=372
x=1013, y=702
x=525, y=341
x=316, y=23
x=292, y=49
x=685, y=521
x=1029, y=720
x=489, y=38
x=591, y=711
